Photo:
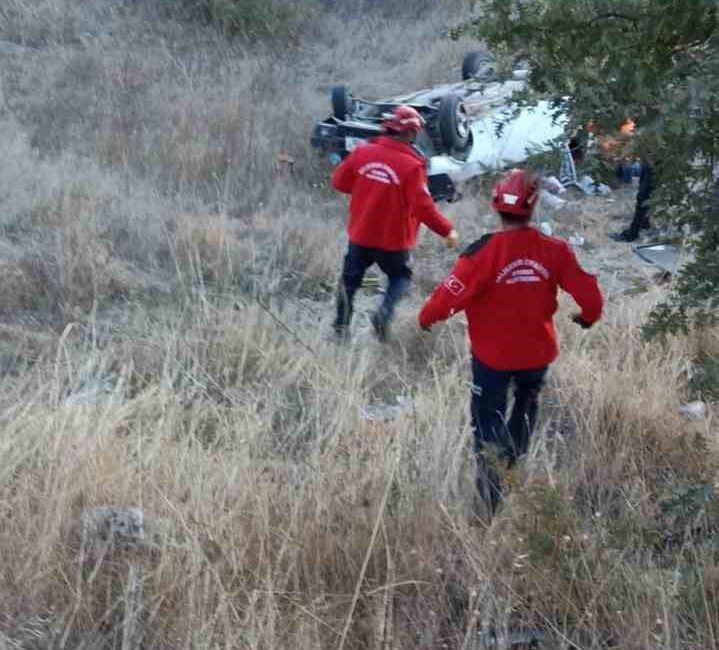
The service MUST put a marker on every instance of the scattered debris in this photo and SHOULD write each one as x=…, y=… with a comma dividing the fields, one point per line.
x=552, y=185
x=546, y=228
x=387, y=412
x=551, y=200
x=694, y=410
x=576, y=240
x=567, y=169
x=568, y=177
x=663, y=255
x=589, y=186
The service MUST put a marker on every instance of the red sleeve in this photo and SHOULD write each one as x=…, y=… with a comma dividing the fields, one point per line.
x=421, y=204
x=466, y=280
x=343, y=178
x=582, y=286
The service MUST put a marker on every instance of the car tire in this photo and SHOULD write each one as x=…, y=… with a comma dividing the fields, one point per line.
x=341, y=101
x=454, y=131
x=477, y=64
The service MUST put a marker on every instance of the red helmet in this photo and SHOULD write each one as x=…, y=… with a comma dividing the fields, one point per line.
x=403, y=119
x=516, y=194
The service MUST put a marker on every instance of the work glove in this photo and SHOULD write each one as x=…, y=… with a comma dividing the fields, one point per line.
x=577, y=318
x=452, y=239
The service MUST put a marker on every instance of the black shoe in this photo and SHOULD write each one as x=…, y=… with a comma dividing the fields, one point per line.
x=380, y=324
x=624, y=236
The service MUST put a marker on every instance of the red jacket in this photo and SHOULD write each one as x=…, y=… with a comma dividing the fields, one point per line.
x=390, y=198
x=507, y=284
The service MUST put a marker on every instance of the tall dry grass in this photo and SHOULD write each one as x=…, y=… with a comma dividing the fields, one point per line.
x=264, y=490
x=166, y=293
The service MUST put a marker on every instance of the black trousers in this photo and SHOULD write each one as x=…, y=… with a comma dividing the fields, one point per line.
x=394, y=264
x=494, y=438
x=641, y=211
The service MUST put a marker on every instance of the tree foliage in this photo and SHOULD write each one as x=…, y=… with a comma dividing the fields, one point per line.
x=657, y=62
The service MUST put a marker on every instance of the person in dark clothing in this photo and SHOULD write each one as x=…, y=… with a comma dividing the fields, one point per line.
x=577, y=145
x=640, y=221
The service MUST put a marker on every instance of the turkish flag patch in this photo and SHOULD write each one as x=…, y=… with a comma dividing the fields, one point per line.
x=454, y=285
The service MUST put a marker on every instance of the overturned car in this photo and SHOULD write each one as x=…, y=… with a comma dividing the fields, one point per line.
x=461, y=139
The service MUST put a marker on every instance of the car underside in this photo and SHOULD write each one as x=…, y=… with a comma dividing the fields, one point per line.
x=460, y=139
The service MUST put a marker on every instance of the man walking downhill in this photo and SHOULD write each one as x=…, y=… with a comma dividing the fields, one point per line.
x=390, y=199
x=506, y=282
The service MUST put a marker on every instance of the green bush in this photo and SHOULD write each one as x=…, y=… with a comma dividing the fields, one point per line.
x=658, y=63
x=704, y=382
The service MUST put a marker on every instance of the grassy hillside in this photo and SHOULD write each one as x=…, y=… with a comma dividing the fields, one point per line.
x=165, y=300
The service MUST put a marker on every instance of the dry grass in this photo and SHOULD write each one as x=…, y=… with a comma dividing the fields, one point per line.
x=261, y=486
x=166, y=286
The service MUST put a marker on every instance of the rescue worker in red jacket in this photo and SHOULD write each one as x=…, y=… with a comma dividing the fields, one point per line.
x=390, y=199
x=507, y=282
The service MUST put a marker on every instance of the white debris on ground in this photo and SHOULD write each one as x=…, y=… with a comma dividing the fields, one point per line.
x=549, y=200
x=589, y=186
x=586, y=222
x=386, y=412
x=694, y=410
x=576, y=240
x=664, y=256
x=546, y=228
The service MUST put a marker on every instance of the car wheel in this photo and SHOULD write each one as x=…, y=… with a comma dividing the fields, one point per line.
x=341, y=102
x=477, y=64
x=453, y=123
